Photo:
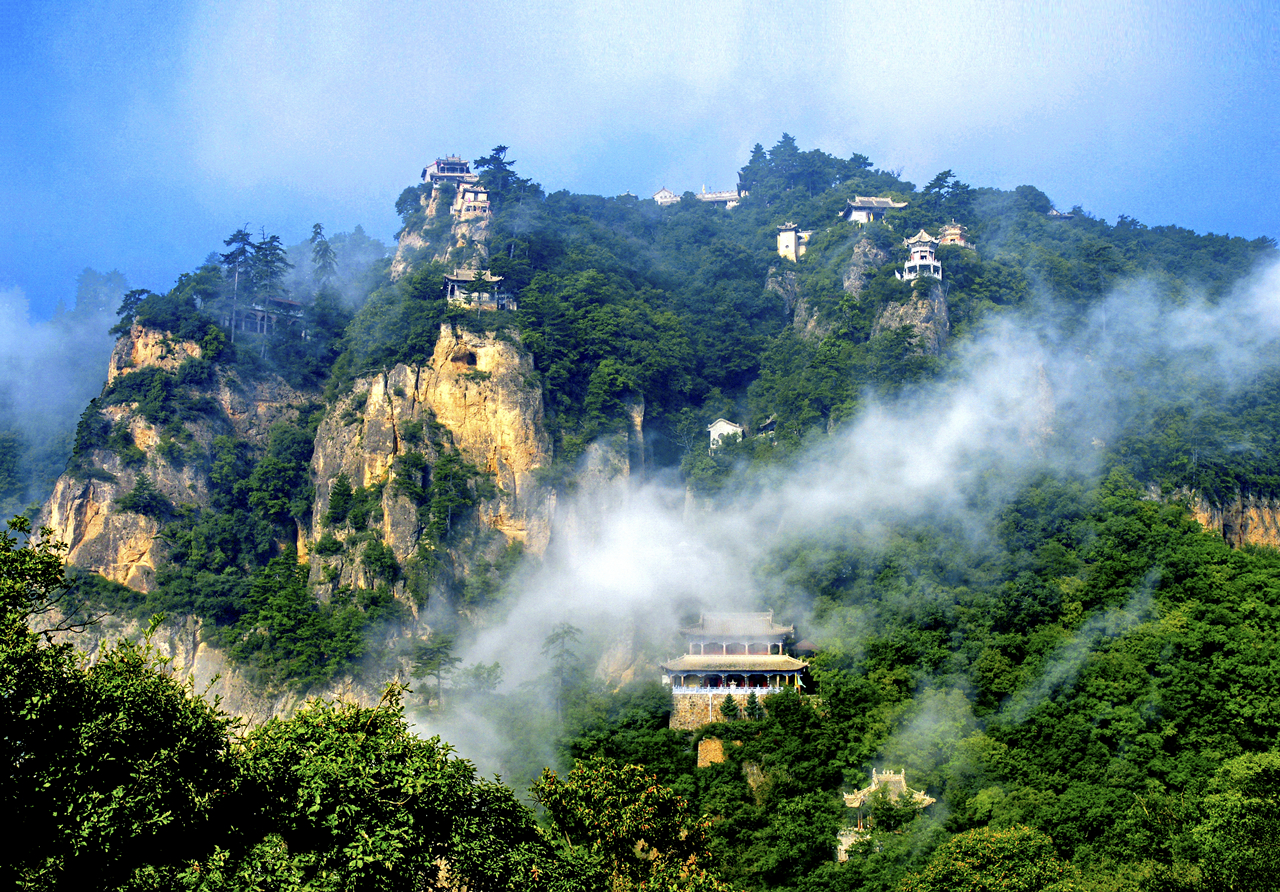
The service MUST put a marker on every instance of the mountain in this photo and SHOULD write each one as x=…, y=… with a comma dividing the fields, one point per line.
x=1012, y=472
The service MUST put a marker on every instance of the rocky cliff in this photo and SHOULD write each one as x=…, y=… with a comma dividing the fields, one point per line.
x=83, y=512
x=1244, y=520
x=925, y=312
x=456, y=241
x=477, y=395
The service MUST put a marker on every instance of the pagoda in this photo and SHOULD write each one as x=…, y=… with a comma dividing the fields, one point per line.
x=923, y=261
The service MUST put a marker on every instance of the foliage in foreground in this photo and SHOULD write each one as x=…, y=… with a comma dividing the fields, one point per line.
x=118, y=776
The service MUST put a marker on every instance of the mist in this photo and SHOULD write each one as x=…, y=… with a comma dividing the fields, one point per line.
x=1044, y=391
x=49, y=371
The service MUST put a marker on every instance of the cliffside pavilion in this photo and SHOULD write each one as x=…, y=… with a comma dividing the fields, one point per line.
x=471, y=201
x=734, y=654
x=954, y=233
x=459, y=291
x=923, y=261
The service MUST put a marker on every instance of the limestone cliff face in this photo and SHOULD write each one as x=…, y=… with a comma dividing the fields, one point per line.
x=1245, y=520
x=143, y=347
x=82, y=511
x=926, y=314
x=480, y=390
x=866, y=258
x=181, y=641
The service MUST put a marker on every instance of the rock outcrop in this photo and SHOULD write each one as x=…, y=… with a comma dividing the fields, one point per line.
x=866, y=258
x=480, y=394
x=82, y=511
x=925, y=312
x=142, y=347
x=181, y=641
x=1244, y=520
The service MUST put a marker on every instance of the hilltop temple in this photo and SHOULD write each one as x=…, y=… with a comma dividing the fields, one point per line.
x=449, y=169
x=869, y=208
x=728, y=654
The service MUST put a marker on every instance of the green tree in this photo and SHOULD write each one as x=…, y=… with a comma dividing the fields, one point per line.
x=620, y=821
x=1239, y=838
x=323, y=259
x=341, y=797
x=1017, y=859
x=565, y=664
x=106, y=769
x=435, y=658
x=729, y=709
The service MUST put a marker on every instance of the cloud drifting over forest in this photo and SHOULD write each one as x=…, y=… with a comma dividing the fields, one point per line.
x=1029, y=395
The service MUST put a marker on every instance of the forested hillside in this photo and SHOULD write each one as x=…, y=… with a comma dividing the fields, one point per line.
x=974, y=496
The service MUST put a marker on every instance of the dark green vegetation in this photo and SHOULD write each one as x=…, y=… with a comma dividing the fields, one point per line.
x=118, y=777
x=1082, y=677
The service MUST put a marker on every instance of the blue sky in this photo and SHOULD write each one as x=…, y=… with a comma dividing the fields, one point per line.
x=137, y=135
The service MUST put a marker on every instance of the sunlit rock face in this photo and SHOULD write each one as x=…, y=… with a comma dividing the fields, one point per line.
x=141, y=347
x=1243, y=520
x=482, y=394
x=180, y=640
x=82, y=511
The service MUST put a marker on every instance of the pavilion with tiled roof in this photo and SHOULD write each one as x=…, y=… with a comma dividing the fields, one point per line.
x=735, y=650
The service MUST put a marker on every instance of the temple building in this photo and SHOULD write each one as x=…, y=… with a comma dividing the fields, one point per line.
x=728, y=198
x=721, y=428
x=471, y=201
x=869, y=208
x=894, y=785
x=729, y=654
x=792, y=241
x=460, y=293
x=449, y=169
x=923, y=261
x=954, y=233
x=266, y=316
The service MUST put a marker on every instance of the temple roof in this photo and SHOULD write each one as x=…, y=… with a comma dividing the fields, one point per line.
x=469, y=275
x=894, y=784
x=875, y=201
x=739, y=625
x=919, y=238
x=756, y=663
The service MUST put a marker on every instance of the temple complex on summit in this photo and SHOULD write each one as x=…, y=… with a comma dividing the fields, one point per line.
x=729, y=654
x=449, y=169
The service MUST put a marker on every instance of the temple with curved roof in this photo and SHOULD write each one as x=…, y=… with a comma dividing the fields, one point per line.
x=734, y=654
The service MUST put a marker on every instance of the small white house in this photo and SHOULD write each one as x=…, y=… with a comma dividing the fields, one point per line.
x=721, y=428
x=665, y=196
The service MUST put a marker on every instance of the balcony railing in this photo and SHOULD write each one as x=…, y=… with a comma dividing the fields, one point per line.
x=759, y=691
